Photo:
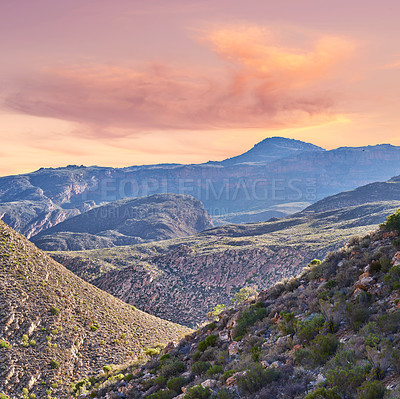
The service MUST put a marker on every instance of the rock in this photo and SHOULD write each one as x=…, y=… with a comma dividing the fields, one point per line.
x=232, y=381
x=364, y=283
x=396, y=259
x=209, y=384
x=224, y=335
x=234, y=348
x=169, y=347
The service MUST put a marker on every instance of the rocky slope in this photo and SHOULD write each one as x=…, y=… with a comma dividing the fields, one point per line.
x=55, y=328
x=181, y=280
x=129, y=221
x=37, y=201
x=333, y=332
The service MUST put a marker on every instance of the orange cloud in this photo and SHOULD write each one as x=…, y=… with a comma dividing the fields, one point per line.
x=263, y=85
x=393, y=65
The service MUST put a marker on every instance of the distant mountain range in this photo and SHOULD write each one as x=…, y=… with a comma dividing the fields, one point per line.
x=127, y=221
x=248, y=187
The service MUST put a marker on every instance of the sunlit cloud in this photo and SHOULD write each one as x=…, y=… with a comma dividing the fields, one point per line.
x=260, y=84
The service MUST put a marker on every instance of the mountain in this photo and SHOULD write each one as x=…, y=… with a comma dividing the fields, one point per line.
x=37, y=201
x=272, y=149
x=128, y=221
x=55, y=328
x=379, y=191
x=183, y=279
x=333, y=332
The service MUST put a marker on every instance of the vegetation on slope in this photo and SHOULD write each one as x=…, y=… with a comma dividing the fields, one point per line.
x=55, y=328
x=333, y=332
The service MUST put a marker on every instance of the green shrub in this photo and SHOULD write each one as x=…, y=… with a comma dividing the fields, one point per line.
x=224, y=394
x=164, y=394
x=287, y=324
x=5, y=344
x=357, y=315
x=54, y=311
x=371, y=390
x=215, y=369
x=228, y=374
x=256, y=378
x=392, y=279
x=393, y=221
x=198, y=392
x=196, y=356
x=308, y=330
x=255, y=353
x=324, y=393
x=389, y=322
x=323, y=347
x=107, y=368
x=54, y=364
x=200, y=368
x=247, y=318
x=209, y=341
x=171, y=368
x=175, y=384
x=346, y=379
x=160, y=381
x=243, y=295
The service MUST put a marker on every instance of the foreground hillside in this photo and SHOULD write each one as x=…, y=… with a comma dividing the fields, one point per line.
x=129, y=221
x=333, y=332
x=56, y=328
x=181, y=280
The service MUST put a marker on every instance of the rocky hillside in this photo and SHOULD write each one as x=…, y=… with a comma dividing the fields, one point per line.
x=182, y=280
x=55, y=328
x=333, y=332
x=128, y=221
x=37, y=201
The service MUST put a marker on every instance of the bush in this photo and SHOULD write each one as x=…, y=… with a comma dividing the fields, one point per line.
x=247, y=318
x=198, y=392
x=322, y=347
x=393, y=221
x=164, y=394
x=323, y=393
x=371, y=390
x=308, y=330
x=209, y=341
x=392, y=279
x=171, y=368
x=357, y=315
x=256, y=378
x=287, y=323
x=200, y=368
x=5, y=344
x=54, y=311
x=243, y=295
x=54, y=364
x=389, y=322
x=215, y=369
x=228, y=374
x=175, y=384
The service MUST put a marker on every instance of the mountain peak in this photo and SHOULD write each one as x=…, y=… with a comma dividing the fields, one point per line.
x=272, y=149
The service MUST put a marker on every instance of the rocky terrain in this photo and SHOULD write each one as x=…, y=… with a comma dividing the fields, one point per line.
x=332, y=332
x=181, y=280
x=277, y=171
x=56, y=329
x=128, y=221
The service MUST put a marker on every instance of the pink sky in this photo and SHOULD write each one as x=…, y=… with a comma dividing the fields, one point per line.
x=126, y=82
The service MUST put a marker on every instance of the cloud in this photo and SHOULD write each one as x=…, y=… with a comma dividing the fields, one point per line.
x=393, y=65
x=260, y=84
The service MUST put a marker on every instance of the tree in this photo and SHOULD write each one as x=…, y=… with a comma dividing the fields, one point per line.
x=243, y=295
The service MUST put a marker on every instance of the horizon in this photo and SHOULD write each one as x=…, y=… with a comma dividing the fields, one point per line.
x=89, y=82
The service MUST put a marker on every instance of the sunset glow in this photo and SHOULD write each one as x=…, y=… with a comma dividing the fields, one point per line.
x=129, y=82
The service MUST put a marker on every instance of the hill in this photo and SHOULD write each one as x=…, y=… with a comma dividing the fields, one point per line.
x=128, y=221
x=55, y=328
x=333, y=332
x=181, y=280
x=250, y=191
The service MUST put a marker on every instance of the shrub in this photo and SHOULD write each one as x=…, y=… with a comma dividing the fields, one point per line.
x=164, y=394
x=243, y=295
x=371, y=390
x=198, y=392
x=314, y=262
x=107, y=369
x=346, y=379
x=172, y=368
x=160, y=381
x=200, y=368
x=322, y=347
x=5, y=344
x=323, y=393
x=392, y=279
x=389, y=322
x=54, y=364
x=393, y=221
x=308, y=330
x=175, y=384
x=54, y=311
x=209, y=341
x=32, y=342
x=357, y=315
x=215, y=369
x=228, y=374
x=257, y=377
x=255, y=353
x=287, y=324
x=247, y=318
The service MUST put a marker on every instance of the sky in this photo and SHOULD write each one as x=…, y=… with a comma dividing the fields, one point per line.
x=128, y=82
